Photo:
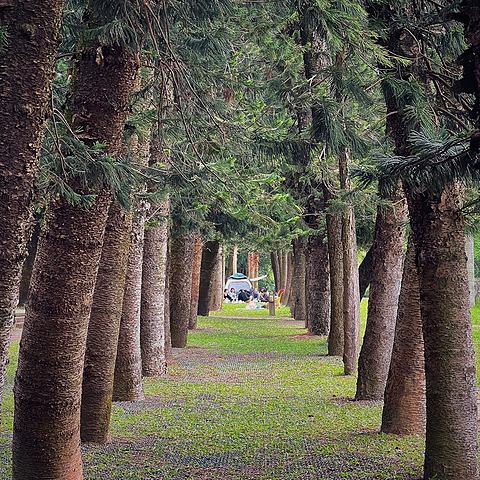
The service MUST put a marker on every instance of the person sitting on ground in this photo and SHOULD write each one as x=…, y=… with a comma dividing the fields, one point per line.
x=232, y=295
x=243, y=296
x=226, y=298
x=263, y=295
x=254, y=294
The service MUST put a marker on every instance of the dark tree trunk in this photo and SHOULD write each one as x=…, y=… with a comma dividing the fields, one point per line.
x=276, y=268
x=335, y=256
x=209, y=260
x=32, y=33
x=404, y=400
x=232, y=261
x=451, y=450
x=127, y=384
x=153, y=310
x=52, y=349
x=98, y=106
x=180, y=294
x=28, y=264
x=103, y=328
x=197, y=262
x=299, y=311
x=318, y=273
x=375, y=355
x=365, y=272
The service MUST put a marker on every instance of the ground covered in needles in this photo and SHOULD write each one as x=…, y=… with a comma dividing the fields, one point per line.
x=249, y=398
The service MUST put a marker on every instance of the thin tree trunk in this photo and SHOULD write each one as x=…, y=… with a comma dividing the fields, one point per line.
x=335, y=257
x=376, y=352
x=451, y=449
x=288, y=280
x=351, y=293
x=180, y=275
x=232, y=261
x=52, y=349
x=299, y=281
x=274, y=258
x=24, y=106
x=103, y=328
x=404, y=400
x=197, y=262
x=127, y=384
x=216, y=299
x=209, y=260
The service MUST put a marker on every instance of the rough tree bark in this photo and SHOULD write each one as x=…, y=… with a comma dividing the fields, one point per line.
x=335, y=257
x=32, y=33
x=209, y=259
x=98, y=106
x=404, y=401
x=217, y=283
x=127, y=383
x=180, y=277
x=197, y=262
x=375, y=355
x=103, y=328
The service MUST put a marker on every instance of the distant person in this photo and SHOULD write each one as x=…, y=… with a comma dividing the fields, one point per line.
x=263, y=295
x=232, y=295
x=254, y=294
x=243, y=296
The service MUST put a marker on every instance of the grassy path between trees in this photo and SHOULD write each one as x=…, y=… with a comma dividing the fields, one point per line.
x=249, y=398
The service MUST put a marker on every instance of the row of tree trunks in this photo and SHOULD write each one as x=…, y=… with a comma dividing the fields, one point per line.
x=53, y=347
x=32, y=33
x=374, y=359
x=103, y=328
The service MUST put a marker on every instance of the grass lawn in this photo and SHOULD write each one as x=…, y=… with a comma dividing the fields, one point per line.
x=249, y=398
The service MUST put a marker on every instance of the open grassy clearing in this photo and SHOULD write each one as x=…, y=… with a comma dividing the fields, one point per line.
x=249, y=398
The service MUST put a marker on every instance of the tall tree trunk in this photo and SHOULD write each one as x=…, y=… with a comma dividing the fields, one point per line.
x=103, y=328
x=52, y=349
x=404, y=400
x=197, y=262
x=209, y=260
x=451, y=449
x=180, y=294
x=318, y=273
x=274, y=258
x=32, y=33
x=153, y=310
x=376, y=352
x=253, y=259
x=98, y=106
x=127, y=384
x=232, y=261
x=299, y=281
x=351, y=293
x=288, y=279
x=216, y=298
x=335, y=257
